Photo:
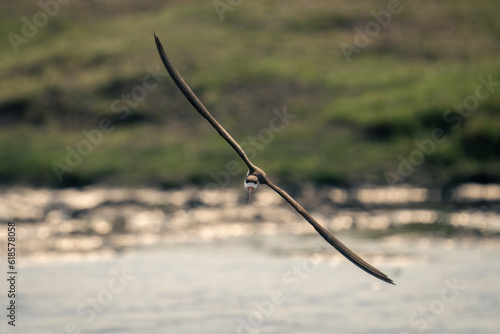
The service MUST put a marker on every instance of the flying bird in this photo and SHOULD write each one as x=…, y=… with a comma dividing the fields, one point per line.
x=256, y=175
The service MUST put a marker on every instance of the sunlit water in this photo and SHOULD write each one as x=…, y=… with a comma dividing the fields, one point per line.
x=187, y=261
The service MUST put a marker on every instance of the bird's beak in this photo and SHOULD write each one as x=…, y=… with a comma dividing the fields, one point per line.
x=250, y=189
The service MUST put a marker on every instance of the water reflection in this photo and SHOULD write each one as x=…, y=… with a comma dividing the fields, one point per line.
x=392, y=195
x=107, y=220
x=477, y=192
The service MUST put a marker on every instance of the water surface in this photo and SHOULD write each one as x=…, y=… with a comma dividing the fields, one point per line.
x=148, y=261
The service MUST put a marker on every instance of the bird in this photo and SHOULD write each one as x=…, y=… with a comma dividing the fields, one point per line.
x=256, y=176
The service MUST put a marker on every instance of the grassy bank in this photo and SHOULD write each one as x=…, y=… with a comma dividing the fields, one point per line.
x=383, y=116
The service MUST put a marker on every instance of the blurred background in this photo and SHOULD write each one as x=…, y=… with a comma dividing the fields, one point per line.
x=380, y=117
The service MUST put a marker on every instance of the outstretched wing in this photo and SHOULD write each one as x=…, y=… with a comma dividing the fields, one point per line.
x=188, y=93
x=343, y=249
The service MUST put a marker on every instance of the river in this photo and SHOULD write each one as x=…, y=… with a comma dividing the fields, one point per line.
x=110, y=260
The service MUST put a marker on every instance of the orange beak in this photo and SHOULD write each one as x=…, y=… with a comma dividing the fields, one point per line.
x=250, y=189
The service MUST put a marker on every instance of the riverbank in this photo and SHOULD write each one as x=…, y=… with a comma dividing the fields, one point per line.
x=417, y=104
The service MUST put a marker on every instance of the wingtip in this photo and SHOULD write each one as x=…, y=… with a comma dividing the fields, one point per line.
x=385, y=278
x=390, y=281
x=381, y=276
x=157, y=42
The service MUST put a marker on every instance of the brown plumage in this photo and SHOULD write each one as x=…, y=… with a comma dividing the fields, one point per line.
x=257, y=176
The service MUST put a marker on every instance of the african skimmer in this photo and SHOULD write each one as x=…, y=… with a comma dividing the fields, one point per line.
x=256, y=176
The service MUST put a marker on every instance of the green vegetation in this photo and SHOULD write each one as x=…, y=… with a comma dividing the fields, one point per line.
x=353, y=122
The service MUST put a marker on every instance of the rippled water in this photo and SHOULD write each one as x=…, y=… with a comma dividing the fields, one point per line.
x=100, y=260
x=104, y=220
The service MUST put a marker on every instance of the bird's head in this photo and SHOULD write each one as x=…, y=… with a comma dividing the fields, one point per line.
x=251, y=183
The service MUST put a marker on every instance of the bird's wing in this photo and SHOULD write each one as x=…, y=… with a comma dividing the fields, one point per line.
x=343, y=249
x=188, y=93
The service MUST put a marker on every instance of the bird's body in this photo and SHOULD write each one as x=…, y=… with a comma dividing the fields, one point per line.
x=252, y=181
x=256, y=175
